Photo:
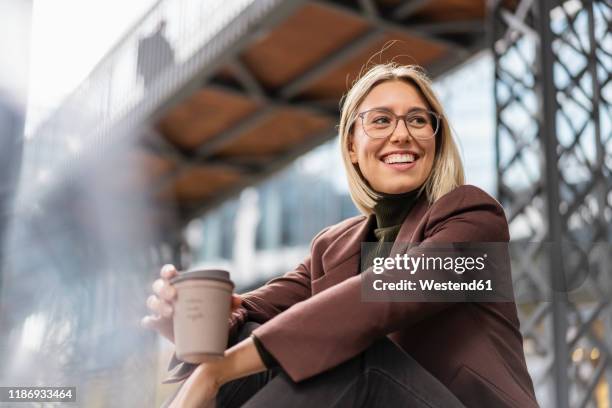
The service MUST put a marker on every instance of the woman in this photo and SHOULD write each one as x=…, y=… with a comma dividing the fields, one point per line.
x=307, y=338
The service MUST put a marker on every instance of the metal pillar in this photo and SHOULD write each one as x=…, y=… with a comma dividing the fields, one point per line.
x=553, y=152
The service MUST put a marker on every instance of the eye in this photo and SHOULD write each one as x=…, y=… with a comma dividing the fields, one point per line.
x=377, y=118
x=381, y=120
x=419, y=119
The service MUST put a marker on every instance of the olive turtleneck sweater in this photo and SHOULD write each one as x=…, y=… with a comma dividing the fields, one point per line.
x=391, y=210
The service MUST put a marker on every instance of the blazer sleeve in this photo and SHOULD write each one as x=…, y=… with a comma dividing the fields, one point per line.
x=335, y=325
x=259, y=305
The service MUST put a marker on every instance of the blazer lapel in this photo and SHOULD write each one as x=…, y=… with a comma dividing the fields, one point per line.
x=409, y=227
x=341, y=259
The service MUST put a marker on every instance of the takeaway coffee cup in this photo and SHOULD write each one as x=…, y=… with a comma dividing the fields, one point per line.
x=201, y=314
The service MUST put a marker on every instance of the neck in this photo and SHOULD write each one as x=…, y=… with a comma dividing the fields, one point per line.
x=392, y=209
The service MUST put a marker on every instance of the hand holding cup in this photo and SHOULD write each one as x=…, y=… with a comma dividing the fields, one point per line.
x=162, y=303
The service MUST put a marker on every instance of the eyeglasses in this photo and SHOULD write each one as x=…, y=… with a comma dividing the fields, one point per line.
x=380, y=123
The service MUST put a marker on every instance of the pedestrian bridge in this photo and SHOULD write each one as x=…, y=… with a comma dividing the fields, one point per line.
x=215, y=96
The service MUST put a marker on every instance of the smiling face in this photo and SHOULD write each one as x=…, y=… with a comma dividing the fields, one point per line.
x=398, y=163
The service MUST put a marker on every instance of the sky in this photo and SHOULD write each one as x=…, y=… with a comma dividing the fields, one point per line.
x=14, y=38
x=68, y=38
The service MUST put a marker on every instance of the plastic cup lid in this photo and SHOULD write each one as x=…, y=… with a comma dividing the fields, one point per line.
x=215, y=274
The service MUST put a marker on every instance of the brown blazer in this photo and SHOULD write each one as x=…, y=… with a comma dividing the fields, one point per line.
x=313, y=318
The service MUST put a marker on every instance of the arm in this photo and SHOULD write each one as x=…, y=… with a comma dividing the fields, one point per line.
x=259, y=305
x=336, y=324
x=202, y=386
x=277, y=295
x=241, y=360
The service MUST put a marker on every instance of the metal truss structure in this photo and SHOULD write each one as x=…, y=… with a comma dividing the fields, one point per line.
x=553, y=61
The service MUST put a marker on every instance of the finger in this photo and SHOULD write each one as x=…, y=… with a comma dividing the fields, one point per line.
x=235, y=303
x=159, y=307
x=168, y=271
x=164, y=290
x=157, y=286
x=168, y=292
x=236, y=300
x=149, y=322
x=153, y=304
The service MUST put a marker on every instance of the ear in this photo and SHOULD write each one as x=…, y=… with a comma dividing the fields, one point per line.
x=351, y=149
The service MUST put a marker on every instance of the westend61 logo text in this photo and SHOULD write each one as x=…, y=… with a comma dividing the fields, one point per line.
x=459, y=264
x=437, y=272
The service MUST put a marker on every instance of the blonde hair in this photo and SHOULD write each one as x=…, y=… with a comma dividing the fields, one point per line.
x=447, y=171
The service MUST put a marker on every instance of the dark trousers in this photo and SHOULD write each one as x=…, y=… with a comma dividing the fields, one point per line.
x=382, y=376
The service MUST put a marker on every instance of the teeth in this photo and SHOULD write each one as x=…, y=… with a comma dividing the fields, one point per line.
x=399, y=158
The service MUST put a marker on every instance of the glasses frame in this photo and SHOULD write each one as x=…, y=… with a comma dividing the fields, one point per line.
x=404, y=118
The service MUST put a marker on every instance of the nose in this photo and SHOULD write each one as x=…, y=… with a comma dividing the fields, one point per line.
x=401, y=133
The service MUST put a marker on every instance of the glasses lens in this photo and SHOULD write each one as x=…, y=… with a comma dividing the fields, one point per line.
x=422, y=124
x=378, y=124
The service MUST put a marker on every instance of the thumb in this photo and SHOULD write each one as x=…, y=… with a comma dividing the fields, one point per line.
x=236, y=301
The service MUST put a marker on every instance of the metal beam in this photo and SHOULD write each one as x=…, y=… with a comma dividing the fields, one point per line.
x=279, y=164
x=254, y=88
x=516, y=20
x=548, y=135
x=357, y=46
x=408, y=8
x=475, y=26
x=596, y=97
x=155, y=143
x=278, y=102
x=211, y=146
x=390, y=25
x=159, y=146
x=219, y=140
x=446, y=66
x=324, y=66
x=369, y=7
x=273, y=104
x=242, y=164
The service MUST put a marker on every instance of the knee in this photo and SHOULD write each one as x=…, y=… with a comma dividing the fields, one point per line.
x=385, y=356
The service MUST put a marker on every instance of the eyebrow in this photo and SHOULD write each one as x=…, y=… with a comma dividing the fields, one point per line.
x=388, y=108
